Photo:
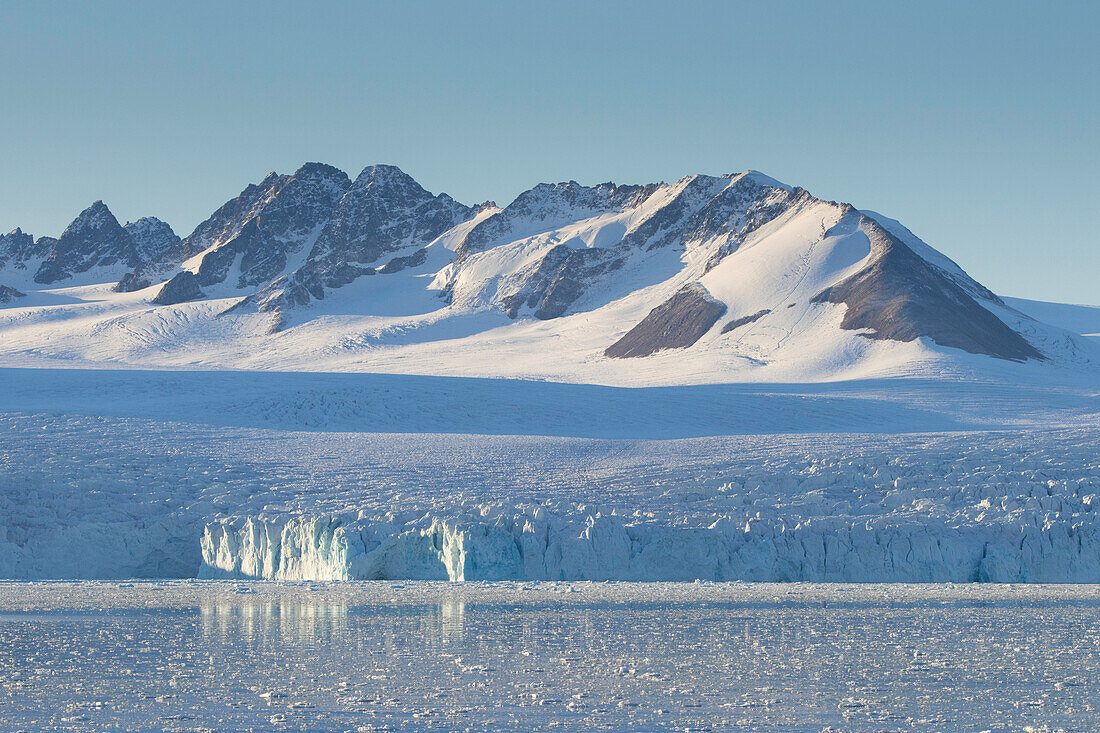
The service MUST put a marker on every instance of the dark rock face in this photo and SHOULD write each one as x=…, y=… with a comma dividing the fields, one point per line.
x=153, y=238
x=347, y=227
x=397, y=264
x=224, y=223
x=94, y=239
x=559, y=279
x=536, y=282
x=17, y=248
x=180, y=289
x=707, y=209
x=284, y=219
x=571, y=279
x=130, y=282
x=382, y=212
x=665, y=228
x=901, y=296
x=286, y=292
x=14, y=242
x=549, y=205
x=45, y=245
x=675, y=324
x=153, y=241
x=745, y=320
x=248, y=240
x=263, y=226
x=220, y=227
x=7, y=294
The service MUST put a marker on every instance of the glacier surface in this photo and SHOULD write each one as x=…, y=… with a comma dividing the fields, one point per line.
x=108, y=474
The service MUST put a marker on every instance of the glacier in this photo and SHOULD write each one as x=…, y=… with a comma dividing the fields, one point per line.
x=531, y=543
x=130, y=474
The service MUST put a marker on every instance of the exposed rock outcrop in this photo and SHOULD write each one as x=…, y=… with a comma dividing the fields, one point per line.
x=745, y=320
x=8, y=294
x=180, y=289
x=94, y=239
x=902, y=296
x=675, y=324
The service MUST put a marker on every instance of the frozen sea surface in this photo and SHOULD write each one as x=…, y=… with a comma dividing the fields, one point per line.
x=222, y=656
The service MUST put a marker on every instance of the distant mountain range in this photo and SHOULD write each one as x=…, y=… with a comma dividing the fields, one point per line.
x=739, y=265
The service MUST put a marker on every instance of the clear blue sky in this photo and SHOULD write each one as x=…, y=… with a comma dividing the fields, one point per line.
x=975, y=124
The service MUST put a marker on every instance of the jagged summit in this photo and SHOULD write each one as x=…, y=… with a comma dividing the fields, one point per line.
x=384, y=173
x=728, y=274
x=152, y=237
x=16, y=247
x=94, y=239
x=94, y=247
x=96, y=216
x=383, y=212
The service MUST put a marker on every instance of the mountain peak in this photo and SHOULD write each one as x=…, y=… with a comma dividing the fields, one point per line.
x=763, y=179
x=94, y=239
x=384, y=169
x=147, y=222
x=152, y=237
x=384, y=175
x=318, y=169
x=96, y=216
x=390, y=183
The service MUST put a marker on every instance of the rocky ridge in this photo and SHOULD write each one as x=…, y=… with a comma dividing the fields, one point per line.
x=557, y=250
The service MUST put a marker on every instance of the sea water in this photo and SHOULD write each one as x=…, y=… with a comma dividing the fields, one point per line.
x=228, y=656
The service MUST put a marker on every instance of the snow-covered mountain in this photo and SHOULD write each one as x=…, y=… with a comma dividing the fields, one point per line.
x=710, y=278
x=382, y=213
x=905, y=424
x=94, y=248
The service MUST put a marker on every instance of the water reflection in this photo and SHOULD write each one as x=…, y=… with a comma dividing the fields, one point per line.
x=331, y=659
x=448, y=621
x=312, y=621
x=292, y=620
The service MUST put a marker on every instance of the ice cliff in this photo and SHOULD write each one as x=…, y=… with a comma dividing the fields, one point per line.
x=1057, y=541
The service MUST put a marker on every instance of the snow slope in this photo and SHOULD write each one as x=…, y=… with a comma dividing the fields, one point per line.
x=313, y=272
x=1082, y=319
